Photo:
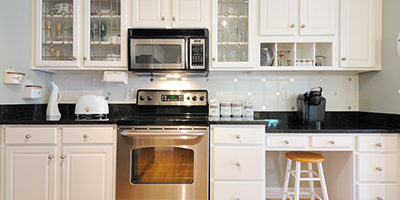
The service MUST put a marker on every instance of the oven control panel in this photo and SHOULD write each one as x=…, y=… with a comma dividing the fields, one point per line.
x=172, y=97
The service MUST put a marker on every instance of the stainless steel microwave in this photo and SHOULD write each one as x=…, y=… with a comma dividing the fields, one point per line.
x=166, y=51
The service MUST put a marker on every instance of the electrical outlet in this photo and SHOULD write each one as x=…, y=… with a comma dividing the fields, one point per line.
x=285, y=93
x=129, y=92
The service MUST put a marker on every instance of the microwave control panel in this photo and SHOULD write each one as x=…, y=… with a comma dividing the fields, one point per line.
x=197, y=53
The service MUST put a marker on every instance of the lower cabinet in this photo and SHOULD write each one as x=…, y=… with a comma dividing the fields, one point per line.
x=60, y=162
x=237, y=162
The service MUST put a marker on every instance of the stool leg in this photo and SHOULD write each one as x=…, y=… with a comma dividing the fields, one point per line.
x=323, y=184
x=297, y=181
x=311, y=183
x=287, y=177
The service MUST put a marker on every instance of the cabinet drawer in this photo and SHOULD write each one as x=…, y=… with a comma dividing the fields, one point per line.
x=238, y=135
x=377, y=143
x=374, y=191
x=87, y=135
x=278, y=141
x=237, y=163
x=31, y=135
x=237, y=190
x=325, y=141
x=377, y=168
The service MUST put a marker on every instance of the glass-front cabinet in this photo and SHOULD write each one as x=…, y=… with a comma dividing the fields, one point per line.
x=232, y=42
x=73, y=34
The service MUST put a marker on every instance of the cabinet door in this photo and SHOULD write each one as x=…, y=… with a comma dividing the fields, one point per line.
x=360, y=33
x=87, y=173
x=233, y=38
x=278, y=17
x=30, y=173
x=318, y=17
x=56, y=33
x=189, y=13
x=105, y=29
x=149, y=13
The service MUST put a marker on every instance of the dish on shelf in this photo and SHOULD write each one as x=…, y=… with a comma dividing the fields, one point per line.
x=105, y=12
x=65, y=38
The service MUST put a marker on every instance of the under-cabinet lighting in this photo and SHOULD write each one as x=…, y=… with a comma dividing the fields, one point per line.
x=175, y=76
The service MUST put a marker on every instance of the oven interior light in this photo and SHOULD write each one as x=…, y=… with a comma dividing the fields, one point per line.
x=176, y=76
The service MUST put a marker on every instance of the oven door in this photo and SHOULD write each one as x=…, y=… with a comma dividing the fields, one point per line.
x=162, y=54
x=161, y=163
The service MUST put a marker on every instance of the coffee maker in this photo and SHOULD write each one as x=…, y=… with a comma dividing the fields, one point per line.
x=311, y=108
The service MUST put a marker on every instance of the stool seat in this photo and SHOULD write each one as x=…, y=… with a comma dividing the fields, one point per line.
x=306, y=157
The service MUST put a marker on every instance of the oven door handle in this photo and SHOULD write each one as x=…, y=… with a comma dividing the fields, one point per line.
x=161, y=134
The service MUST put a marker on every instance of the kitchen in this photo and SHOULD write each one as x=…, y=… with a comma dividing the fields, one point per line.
x=374, y=92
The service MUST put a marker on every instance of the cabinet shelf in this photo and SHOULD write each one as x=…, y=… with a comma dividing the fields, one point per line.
x=59, y=16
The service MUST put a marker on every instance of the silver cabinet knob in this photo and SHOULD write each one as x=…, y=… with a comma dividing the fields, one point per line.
x=84, y=58
x=74, y=58
x=63, y=156
x=173, y=18
x=286, y=141
x=213, y=59
x=379, y=169
x=378, y=145
x=238, y=164
x=332, y=141
x=293, y=25
x=163, y=18
x=379, y=198
x=51, y=157
x=238, y=198
x=238, y=137
x=85, y=136
x=303, y=26
x=27, y=136
x=344, y=59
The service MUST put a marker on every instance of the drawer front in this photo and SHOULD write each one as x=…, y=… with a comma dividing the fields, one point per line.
x=87, y=135
x=238, y=135
x=377, y=143
x=376, y=191
x=31, y=135
x=377, y=168
x=237, y=163
x=235, y=190
x=325, y=141
x=285, y=141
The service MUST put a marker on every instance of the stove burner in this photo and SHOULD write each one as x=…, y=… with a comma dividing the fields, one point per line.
x=92, y=117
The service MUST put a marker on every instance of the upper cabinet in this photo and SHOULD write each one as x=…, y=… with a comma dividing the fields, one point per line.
x=80, y=35
x=360, y=34
x=233, y=34
x=169, y=13
x=298, y=17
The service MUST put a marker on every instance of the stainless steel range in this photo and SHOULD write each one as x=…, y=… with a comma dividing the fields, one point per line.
x=163, y=151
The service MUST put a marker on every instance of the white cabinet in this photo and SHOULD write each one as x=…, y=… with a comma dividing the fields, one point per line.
x=237, y=162
x=79, y=160
x=169, y=13
x=360, y=34
x=302, y=17
x=80, y=35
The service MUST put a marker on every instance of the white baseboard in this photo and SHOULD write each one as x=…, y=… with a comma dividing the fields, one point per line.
x=276, y=192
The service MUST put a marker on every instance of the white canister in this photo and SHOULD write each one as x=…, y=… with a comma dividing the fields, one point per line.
x=225, y=109
x=237, y=108
x=213, y=108
x=248, y=110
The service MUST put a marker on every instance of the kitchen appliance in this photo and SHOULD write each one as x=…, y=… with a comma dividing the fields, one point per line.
x=226, y=110
x=162, y=151
x=168, y=51
x=90, y=107
x=311, y=108
x=52, y=112
x=237, y=109
x=267, y=56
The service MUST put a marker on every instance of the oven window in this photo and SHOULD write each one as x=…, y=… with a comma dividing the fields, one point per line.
x=158, y=54
x=162, y=165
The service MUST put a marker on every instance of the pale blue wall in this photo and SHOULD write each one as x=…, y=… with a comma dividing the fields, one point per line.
x=15, y=50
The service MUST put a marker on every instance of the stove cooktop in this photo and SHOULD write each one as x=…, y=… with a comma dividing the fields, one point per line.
x=165, y=121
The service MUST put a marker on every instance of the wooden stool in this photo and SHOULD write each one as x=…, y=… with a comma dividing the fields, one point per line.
x=309, y=158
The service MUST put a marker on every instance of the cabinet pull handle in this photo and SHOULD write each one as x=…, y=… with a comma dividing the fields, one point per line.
x=286, y=141
x=303, y=26
x=238, y=164
x=63, y=156
x=27, y=136
x=238, y=137
x=332, y=141
x=379, y=198
x=379, y=169
x=344, y=59
x=84, y=58
x=213, y=59
x=163, y=18
x=293, y=25
x=173, y=18
x=51, y=157
x=85, y=136
x=378, y=145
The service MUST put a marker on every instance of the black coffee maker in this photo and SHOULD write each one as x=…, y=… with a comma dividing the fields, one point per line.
x=311, y=108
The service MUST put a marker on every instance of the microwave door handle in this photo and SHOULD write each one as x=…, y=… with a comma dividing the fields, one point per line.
x=161, y=134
